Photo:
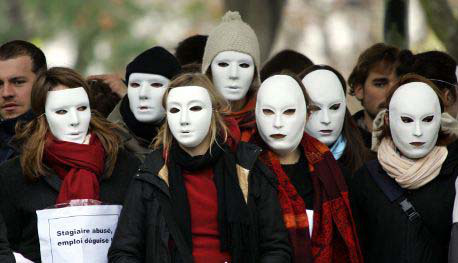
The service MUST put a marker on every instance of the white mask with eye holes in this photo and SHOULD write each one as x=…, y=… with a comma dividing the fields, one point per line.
x=232, y=74
x=145, y=93
x=415, y=119
x=68, y=114
x=189, y=113
x=328, y=105
x=281, y=119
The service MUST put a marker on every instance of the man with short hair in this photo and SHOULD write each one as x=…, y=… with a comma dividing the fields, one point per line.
x=20, y=64
x=371, y=78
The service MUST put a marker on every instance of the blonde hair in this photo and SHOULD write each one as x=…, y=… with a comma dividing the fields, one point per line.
x=220, y=106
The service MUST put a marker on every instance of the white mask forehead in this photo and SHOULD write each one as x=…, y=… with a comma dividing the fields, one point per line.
x=185, y=94
x=326, y=92
x=68, y=114
x=232, y=74
x=148, y=77
x=323, y=86
x=281, y=129
x=233, y=56
x=66, y=98
x=416, y=99
x=280, y=91
x=145, y=93
x=415, y=117
x=189, y=113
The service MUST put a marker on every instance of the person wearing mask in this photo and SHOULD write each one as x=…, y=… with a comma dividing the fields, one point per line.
x=67, y=153
x=232, y=61
x=311, y=189
x=20, y=64
x=402, y=201
x=194, y=200
x=140, y=113
x=330, y=121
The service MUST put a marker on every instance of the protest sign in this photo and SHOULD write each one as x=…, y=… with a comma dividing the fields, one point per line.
x=77, y=234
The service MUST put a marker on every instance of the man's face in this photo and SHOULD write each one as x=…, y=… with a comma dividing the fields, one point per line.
x=373, y=93
x=16, y=81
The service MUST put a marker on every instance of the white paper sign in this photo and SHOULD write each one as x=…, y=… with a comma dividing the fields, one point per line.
x=77, y=234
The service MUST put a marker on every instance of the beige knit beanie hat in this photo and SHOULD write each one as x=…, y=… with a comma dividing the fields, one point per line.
x=232, y=34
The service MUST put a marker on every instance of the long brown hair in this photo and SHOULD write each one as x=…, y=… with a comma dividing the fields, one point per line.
x=355, y=153
x=32, y=136
x=220, y=106
x=443, y=138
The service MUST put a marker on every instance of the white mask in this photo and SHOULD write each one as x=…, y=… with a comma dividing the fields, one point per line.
x=68, y=114
x=189, y=113
x=415, y=118
x=232, y=74
x=281, y=113
x=145, y=93
x=328, y=97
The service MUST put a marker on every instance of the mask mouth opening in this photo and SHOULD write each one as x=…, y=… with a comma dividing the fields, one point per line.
x=417, y=144
x=325, y=132
x=278, y=136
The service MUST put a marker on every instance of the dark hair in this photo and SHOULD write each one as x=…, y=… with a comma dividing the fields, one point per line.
x=285, y=60
x=33, y=134
x=355, y=153
x=191, y=50
x=437, y=66
x=105, y=99
x=378, y=55
x=443, y=138
x=17, y=48
x=191, y=68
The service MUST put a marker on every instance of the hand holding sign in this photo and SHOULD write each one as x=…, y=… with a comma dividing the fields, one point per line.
x=77, y=233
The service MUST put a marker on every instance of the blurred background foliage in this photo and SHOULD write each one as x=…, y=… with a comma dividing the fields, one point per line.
x=104, y=35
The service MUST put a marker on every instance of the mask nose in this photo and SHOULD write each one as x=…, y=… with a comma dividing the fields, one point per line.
x=74, y=118
x=325, y=117
x=233, y=71
x=184, y=118
x=143, y=92
x=418, y=131
x=278, y=122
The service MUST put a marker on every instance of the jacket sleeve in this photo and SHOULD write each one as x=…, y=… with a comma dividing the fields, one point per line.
x=453, y=249
x=274, y=246
x=357, y=197
x=128, y=245
x=11, y=219
x=6, y=255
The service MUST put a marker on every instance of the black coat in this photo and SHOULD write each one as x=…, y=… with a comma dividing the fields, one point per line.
x=20, y=199
x=146, y=226
x=386, y=234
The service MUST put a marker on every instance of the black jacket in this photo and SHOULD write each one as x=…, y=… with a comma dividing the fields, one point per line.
x=20, y=199
x=386, y=234
x=358, y=117
x=453, y=250
x=146, y=228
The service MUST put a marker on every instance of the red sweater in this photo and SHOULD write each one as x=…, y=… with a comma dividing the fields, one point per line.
x=203, y=204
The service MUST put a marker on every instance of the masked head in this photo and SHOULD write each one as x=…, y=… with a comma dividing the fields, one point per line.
x=414, y=119
x=68, y=113
x=193, y=110
x=147, y=77
x=327, y=107
x=281, y=119
x=232, y=57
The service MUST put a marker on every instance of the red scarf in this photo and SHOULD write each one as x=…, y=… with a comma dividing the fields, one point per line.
x=334, y=237
x=78, y=165
x=245, y=119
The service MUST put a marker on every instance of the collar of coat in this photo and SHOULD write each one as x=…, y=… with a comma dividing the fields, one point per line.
x=154, y=171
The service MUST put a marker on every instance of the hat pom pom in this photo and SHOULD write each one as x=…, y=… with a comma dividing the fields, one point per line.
x=231, y=16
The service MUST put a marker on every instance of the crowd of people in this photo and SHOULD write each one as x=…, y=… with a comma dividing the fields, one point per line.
x=216, y=157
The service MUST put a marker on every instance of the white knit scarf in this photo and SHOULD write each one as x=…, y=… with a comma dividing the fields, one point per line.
x=410, y=173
